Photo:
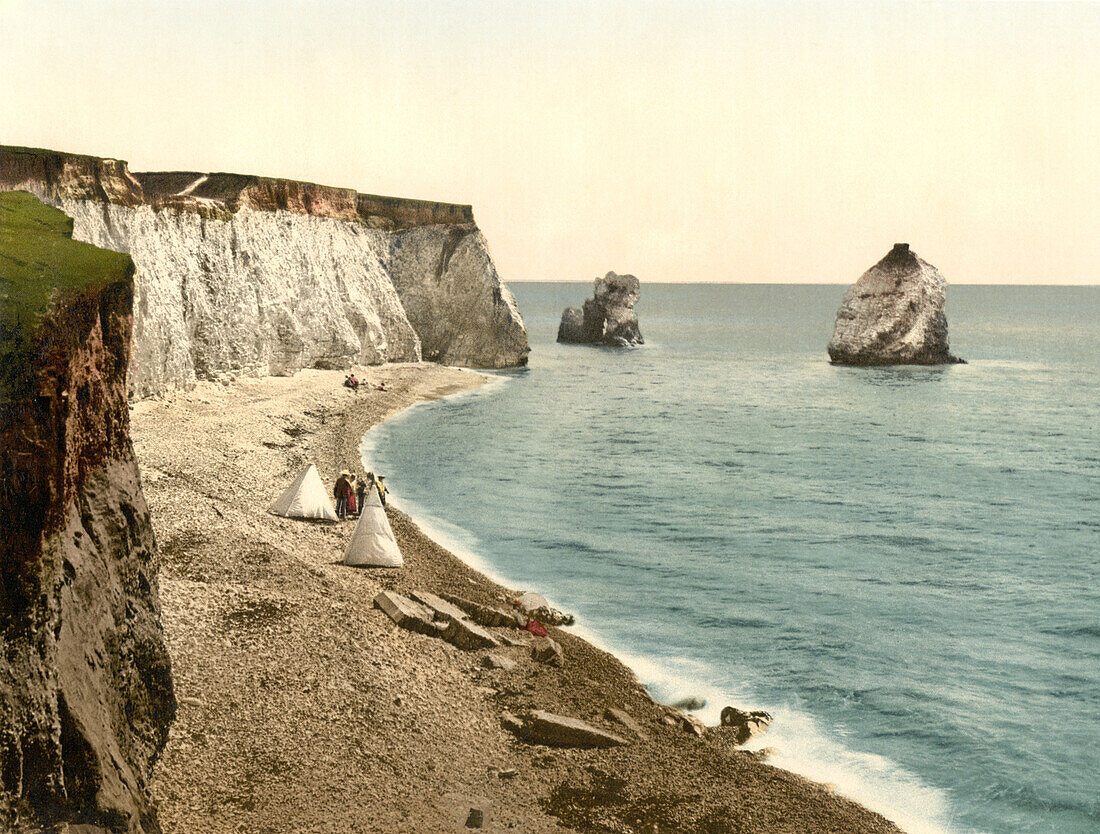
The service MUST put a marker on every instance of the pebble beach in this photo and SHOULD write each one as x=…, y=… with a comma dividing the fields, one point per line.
x=303, y=708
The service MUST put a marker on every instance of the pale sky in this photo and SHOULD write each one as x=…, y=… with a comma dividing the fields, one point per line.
x=679, y=141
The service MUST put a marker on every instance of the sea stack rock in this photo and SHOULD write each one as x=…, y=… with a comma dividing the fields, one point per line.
x=86, y=694
x=608, y=318
x=893, y=315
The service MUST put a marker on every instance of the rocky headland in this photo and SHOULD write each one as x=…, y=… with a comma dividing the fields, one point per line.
x=313, y=696
x=608, y=317
x=86, y=693
x=252, y=276
x=894, y=315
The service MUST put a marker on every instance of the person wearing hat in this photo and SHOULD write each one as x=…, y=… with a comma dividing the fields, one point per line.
x=341, y=493
x=381, y=483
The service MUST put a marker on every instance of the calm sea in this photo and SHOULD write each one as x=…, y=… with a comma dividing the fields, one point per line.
x=900, y=564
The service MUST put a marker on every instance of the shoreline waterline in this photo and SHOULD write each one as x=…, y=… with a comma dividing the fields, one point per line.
x=302, y=700
x=800, y=746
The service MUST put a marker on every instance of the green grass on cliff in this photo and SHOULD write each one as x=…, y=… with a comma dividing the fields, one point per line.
x=39, y=258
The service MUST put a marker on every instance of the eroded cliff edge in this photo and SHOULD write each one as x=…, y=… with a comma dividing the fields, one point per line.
x=244, y=275
x=86, y=694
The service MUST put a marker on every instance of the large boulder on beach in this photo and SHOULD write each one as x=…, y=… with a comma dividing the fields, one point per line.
x=893, y=315
x=86, y=691
x=541, y=727
x=608, y=318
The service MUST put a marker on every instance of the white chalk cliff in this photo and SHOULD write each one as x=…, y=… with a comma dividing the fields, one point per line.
x=251, y=276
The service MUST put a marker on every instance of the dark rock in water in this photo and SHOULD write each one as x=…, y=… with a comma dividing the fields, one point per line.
x=690, y=704
x=745, y=725
x=608, y=318
x=893, y=315
x=86, y=693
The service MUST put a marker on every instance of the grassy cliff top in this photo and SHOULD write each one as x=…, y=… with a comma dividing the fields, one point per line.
x=38, y=259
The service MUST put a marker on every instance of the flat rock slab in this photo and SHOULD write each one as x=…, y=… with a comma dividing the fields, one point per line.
x=468, y=635
x=443, y=609
x=489, y=616
x=406, y=613
x=541, y=727
x=623, y=717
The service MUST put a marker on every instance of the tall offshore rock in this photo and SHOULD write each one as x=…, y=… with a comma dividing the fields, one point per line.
x=894, y=315
x=243, y=275
x=608, y=317
x=86, y=694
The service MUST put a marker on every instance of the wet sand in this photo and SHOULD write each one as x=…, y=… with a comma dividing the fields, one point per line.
x=305, y=709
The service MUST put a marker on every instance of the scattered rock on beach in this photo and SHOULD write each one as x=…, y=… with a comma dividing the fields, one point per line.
x=406, y=613
x=442, y=609
x=468, y=635
x=623, y=717
x=498, y=661
x=428, y=614
x=745, y=725
x=548, y=651
x=541, y=727
x=893, y=315
x=487, y=615
x=688, y=723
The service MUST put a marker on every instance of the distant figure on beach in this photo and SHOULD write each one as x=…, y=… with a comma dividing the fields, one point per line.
x=352, y=382
x=353, y=506
x=341, y=493
x=382, y=386
x=361, y=490
x=382, y=490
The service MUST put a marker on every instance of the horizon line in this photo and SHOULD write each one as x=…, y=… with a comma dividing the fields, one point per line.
x=774, y=283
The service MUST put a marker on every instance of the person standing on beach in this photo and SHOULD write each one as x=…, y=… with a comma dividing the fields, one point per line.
x=341, y=493
x=353, y=508
x=361, y=491
x=382, y=490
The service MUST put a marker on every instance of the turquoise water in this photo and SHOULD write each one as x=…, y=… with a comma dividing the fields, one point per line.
x=900, y=564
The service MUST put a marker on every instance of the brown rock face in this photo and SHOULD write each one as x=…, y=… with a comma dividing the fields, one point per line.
x=894, y=315
x=608, y=317
x=55, y=176
x=86, y=692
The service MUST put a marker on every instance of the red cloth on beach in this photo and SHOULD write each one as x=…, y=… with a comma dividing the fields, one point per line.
x=537, y=628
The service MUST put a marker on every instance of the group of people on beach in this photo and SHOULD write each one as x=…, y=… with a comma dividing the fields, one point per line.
x=351, y=492
x=352, y=381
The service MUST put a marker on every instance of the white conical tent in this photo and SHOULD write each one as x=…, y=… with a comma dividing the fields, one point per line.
x=372, y=544
x=305, y=498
